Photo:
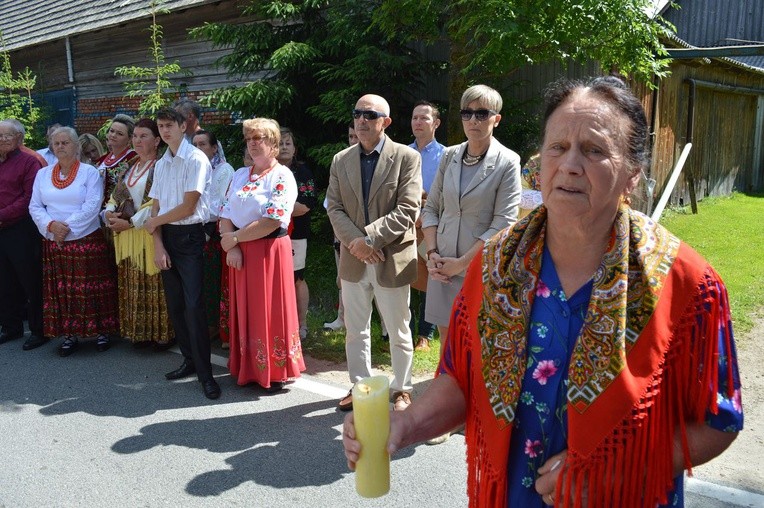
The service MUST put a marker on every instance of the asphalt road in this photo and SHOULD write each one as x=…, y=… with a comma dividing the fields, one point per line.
x=107, y=430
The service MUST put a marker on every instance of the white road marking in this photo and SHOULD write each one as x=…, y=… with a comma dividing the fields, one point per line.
x=728, y=495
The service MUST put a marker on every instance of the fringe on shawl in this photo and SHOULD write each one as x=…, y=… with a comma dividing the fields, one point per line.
x=486, y=488
x=486, y=482
x=137, y=246
x=683, y=388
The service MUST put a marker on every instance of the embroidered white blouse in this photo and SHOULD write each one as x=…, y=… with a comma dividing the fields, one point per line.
x=272, y=196
x=77, y=205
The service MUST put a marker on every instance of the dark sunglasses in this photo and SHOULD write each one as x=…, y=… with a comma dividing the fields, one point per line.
x=368, y=114
x=480, y=114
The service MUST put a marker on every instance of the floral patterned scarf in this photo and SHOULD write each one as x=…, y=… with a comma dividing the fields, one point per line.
x=626, y=289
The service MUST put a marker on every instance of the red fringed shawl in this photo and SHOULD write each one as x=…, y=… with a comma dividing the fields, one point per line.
x=644, y=366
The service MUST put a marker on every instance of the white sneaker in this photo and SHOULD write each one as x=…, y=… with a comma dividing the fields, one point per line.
x=337, y=324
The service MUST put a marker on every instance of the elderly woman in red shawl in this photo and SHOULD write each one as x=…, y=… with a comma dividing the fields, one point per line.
x=590, y=353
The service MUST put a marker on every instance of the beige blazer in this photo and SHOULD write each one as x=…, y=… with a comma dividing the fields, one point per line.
x=395, y=197
x=489, y=202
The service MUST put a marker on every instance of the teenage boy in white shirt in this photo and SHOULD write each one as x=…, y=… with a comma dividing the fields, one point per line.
x=181, y=208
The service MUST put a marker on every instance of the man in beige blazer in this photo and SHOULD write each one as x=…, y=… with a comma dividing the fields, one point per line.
x=374, y=196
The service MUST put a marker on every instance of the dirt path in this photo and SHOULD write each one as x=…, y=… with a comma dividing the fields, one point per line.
x=742, y=465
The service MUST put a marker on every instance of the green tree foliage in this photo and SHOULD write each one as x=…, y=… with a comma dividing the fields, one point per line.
x=306, y=62
x=490, y=39
x=318, y=56
x=16, y=94
x=152, y=83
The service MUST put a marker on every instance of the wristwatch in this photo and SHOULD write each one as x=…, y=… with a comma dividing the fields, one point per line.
x=235, y=239
x=368, y=242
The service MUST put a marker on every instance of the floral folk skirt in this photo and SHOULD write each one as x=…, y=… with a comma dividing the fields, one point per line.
x=80, y=288
x=225, y=304
x=264, y=329
x=142, y=306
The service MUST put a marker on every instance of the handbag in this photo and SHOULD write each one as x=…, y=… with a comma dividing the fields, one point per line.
x=122, y=196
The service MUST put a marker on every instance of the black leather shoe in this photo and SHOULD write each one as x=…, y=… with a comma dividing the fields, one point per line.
x=186, y=369
x=211, y=389
x=7, y=337
x=276, y=386
x=34, y=341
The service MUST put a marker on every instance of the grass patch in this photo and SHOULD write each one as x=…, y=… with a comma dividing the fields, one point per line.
x=729, y=233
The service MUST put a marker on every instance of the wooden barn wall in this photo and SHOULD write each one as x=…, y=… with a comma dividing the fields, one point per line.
x=47, y=61
x=722, y=157
x=97, y=54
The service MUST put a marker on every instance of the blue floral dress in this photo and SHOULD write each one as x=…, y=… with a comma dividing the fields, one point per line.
x=540, y=427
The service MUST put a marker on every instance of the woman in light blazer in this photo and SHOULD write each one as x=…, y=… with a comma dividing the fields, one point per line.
x=475, y=194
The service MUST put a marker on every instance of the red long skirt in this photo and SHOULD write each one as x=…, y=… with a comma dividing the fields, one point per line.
x=265, y=331
x=80, y=288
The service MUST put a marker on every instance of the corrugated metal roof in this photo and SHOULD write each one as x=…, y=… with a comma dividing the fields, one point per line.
x=713, y=23
x=29, y=22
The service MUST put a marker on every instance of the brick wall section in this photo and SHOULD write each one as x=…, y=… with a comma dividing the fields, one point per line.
x=93, y=113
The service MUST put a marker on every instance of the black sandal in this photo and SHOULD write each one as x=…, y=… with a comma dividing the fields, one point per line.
x=103, y=343
x=68, y=347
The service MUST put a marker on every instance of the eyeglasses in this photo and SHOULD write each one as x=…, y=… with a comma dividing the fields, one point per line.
x=7, y=137
x=255, y=139
x=368, y=114
x=481, y=115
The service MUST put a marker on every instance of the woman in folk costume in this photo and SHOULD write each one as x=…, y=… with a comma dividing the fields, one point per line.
x=265, y=331
x=590, y=352
x=120, y=156
x=79, y=279
x=222, y=172
x=142, y=308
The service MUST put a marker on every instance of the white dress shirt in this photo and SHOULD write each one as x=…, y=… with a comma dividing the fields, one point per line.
x=48, y=155
x=188, y=171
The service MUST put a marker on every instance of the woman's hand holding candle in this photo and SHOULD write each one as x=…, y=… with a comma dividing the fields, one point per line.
x=371, y=407
x=353, y=447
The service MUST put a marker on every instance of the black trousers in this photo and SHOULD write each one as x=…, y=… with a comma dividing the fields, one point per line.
x=184, y=293
x=21, y=277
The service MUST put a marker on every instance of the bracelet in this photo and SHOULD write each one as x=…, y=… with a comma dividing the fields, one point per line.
x=430, y=252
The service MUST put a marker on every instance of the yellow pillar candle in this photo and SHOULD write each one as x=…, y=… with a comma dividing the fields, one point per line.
x=371, y=409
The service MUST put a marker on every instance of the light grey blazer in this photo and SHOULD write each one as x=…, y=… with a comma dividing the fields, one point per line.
x=488, y=205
